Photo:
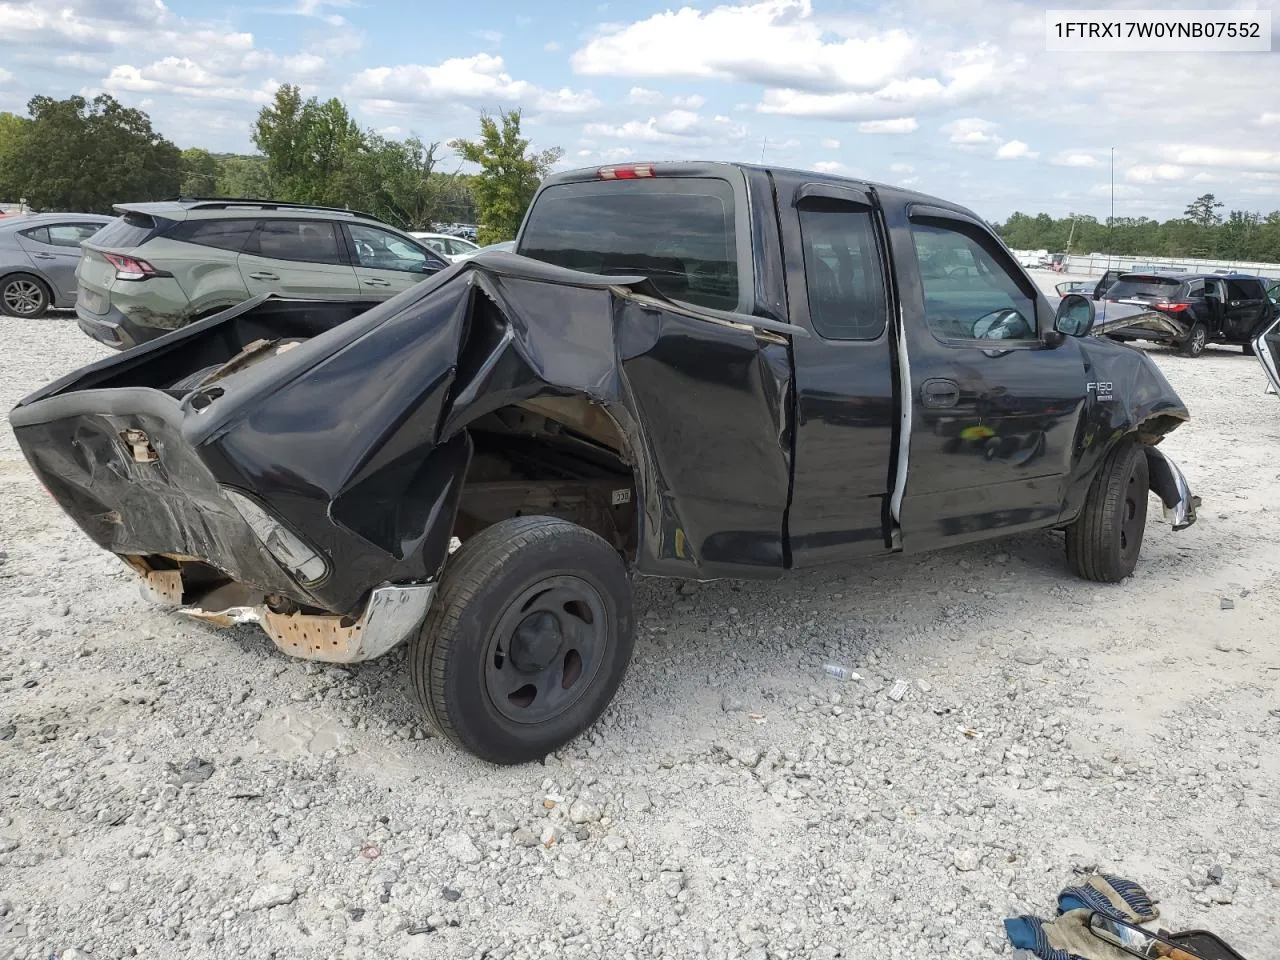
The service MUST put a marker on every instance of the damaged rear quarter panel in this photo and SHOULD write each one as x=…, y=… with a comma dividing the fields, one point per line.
x=364, y=450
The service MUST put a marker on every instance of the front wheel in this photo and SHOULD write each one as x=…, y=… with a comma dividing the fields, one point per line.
x=23, y=296
x=1104, y=542
x=527, y=640
x=1197, y=340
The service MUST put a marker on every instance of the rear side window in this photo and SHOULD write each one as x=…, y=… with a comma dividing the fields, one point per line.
x=1244, y=290
x=71, y=234
x=1133, y=285
x=680, y=232
x=223, y=234
x=845, y=281
x=308, y=241
x=130, y=230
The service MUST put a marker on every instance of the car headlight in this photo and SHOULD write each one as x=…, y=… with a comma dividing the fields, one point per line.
x=305, y=564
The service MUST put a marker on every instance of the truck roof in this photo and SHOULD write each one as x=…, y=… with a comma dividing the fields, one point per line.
x=714, y=167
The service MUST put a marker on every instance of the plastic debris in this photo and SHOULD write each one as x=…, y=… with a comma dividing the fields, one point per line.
x=838, y=672
x=898, y=690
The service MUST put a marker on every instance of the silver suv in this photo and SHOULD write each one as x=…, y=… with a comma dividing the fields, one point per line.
x=162, y=265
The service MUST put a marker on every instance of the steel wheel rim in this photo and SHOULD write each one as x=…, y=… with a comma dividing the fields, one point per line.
x=546, y=649
x=1197, y=340
x=23, y=296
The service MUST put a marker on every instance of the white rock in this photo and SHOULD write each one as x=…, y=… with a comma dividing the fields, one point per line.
x=967, y=860
x=272, y=895
x=460, y=847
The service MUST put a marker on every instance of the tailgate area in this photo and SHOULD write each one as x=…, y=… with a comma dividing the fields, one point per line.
x=118, y=463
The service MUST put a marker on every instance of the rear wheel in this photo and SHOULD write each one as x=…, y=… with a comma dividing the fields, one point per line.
x=1104, y=542
x=1197, y=340
x=22, y=295
x=527, y=640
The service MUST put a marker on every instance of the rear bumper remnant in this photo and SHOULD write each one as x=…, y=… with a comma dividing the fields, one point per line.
x=1169, y=483
x=392, y=614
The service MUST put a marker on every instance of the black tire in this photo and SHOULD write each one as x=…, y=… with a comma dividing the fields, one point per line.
x=1104, y=542
x=535, y=589
x=1197, y=339
x=23, y=295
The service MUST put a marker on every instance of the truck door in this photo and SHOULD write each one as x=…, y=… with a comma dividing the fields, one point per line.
x=844, y=372
x=993, y=408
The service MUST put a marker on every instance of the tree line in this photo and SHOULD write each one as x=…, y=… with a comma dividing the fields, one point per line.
x=1202, y=232
x=85, y=155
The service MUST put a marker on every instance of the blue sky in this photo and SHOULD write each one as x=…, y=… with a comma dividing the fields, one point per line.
x=956, y=99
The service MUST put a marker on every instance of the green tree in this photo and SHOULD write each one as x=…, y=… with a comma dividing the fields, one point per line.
x=83, y=155
x=509, y=174
x=199, y=173
x=309, y=147
x=12, y=128
x=243, y=176
x=1203, y=211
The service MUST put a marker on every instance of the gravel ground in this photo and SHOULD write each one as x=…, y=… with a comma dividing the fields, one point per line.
x=172, y=790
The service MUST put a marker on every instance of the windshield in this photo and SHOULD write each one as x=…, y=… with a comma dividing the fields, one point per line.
x=1154, y=288
x=679, y=232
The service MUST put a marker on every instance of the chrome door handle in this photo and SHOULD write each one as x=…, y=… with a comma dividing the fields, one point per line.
x=377, y=282
x=263, y=276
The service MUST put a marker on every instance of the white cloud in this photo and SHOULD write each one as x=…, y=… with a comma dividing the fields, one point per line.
x=831, y=144
x=644, y=97
x=551, y=46
x=1075, y=159
x=971, y=131
x=895, y=125
x=81, y=63
x=491, y=37
x=772, y=42
x=901, y=168
x=828, y=166
x=674, y=126
x=1228, y=157
x=303, y=64
x=477, y=80
x=5, y=75
x=1015, y=150
x=1269, y=120
x=1150, y=174
x=181, y=76
x=1123, y=191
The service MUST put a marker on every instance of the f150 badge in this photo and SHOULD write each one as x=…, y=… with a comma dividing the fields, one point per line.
x=1100, y=390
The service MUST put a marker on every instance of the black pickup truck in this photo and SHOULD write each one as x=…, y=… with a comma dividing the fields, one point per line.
x=687, y=370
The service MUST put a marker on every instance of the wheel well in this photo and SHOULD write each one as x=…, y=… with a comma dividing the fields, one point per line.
x=552, y=456
x=48, y=288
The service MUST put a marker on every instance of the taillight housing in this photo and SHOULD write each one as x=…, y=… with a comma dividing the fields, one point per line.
x=131, y=268
x=1172, y=307
x=634, y=171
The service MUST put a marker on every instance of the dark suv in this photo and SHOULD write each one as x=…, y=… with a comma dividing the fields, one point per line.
x=1189, y=310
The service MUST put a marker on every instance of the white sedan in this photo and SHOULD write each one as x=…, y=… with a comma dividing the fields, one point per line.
x=452, y=248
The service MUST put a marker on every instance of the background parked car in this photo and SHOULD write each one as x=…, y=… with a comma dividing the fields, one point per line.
x=162, y=265
x=449, y=247
x=1190, y=311
x=39, y=254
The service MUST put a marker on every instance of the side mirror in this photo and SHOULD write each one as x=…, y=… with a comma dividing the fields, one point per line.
x=1075, y=316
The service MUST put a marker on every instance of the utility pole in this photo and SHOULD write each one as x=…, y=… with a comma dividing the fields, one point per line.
x=1111, y=222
